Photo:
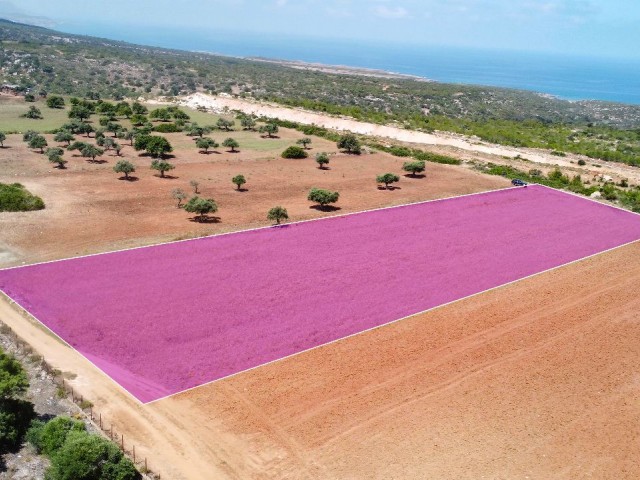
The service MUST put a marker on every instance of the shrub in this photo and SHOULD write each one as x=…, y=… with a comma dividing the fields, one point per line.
x=323, y=197
x=167, y=128
x=201, y=206
x=239, y=180
x=15, y=198
x=55, y=101
x=278, y=214
x=15, y=417
x=582, y=163
x=54, y=433
x=350, y=143
x=322, y=159
x=294, y=152
x=90, y=457
x=414, y=167
x=387, y=179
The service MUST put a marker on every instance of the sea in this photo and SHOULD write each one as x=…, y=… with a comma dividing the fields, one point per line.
x=569, y=77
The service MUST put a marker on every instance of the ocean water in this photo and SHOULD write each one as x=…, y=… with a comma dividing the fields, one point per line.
x=565, y=76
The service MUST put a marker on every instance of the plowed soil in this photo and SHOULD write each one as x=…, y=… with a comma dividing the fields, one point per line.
x=538, y=379
x=90, y=210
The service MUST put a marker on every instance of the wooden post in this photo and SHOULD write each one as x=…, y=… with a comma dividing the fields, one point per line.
x=145, y=465
x=122, y=441
x=134, y=454
x=101, y=422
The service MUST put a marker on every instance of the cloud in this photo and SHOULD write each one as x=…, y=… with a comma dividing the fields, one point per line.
x=390, y=12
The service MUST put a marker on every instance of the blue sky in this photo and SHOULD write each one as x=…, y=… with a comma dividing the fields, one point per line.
x=588, y=27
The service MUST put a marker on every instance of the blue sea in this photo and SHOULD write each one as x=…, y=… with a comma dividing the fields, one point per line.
x=565, y=76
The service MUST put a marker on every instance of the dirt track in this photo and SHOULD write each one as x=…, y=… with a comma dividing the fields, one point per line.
x=539, y=379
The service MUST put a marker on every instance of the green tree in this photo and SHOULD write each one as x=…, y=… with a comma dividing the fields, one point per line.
x=139, y=109
x=38, y=141
x=53, y=435
x=161, y=166
x=198, y=131
x=179, y=195
x=64, y=136
x=107, y=143
x=79, y=112
x=158, y=147
x=323, y=197
x=124, y=166
x=350, y=143
x=224, y=124
x=123, y=109
x=55, y=156
x=294, y=152
x=305, y=142
x=55, y=101
x=3, y=137
x=205, y=143
x=239, y=180
x=33, y=113
x=77, y=146
x=89, y=151
x=29, y=97
x=13, y=378
x=270, y=129
x=203, y=207
x=86, y=129
x=161, y=114
x=387, y=179
x=28, y=135
x=180, y=115
x=414, y=167
x=231, y=144
x=90, y=457
x=138, y=120
x=15, y=413
x=247, y=122
x=322, y=159
x=277, y=214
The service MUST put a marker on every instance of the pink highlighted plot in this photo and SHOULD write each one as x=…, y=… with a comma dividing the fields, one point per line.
x=162, y=319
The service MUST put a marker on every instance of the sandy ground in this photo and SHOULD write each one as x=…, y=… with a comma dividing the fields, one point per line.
x=452, y=142
x=89, y=210
x=538, y=379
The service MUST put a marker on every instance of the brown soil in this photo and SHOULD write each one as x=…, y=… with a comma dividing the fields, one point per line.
x=538, y=379
x=90, y=210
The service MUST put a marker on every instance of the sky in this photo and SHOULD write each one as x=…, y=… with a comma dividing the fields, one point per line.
x=583, y=27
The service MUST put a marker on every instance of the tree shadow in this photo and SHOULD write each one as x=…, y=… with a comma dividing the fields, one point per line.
x=389, y=188
x=325, y=208
x=130, y=178
x=241, y=190
x=275, y=137
x=233, y=151
x=98, y=162
x=2, y=147
x=418, y=175
x=168, y=177
x=206, y=219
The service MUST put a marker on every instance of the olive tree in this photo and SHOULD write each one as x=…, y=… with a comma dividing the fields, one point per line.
x=205, y=143
x=38, y=141
x=124, y=166
x=161, y=166
x=55, y=156
x=55, y=101
x=179, y=195
x=305, y=142
x=414, y=167
x=231, y=144
x=323, y=197
x=387, y=179
x=90, y=151
x=239, y=180
x=64, y=136
x=201, y=206
x=270, y=129
x=277, y=214
x=224, y=124
x=322, y=159
x=350, y=143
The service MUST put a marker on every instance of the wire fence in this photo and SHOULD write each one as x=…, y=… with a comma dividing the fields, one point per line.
x=85, y=407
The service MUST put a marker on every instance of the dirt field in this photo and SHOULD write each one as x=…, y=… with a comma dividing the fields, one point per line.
x=535, y=380
x=89, y=210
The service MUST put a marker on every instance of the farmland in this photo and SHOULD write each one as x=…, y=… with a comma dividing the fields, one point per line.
x=536, y=378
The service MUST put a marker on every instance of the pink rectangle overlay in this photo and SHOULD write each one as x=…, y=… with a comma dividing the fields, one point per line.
x=159, y=320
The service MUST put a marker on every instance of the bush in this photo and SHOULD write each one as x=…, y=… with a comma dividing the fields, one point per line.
x=54, y=434
x=55, y=101
x=350, y=143
x=34, y=434
x=15, y=417
x=90, y=457
x=167, y=128
x=15, y=198
x=294, y=152
x=323, y=197
x=582, y=163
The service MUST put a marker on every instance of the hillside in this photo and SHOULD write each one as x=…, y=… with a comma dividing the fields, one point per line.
x=43, y=60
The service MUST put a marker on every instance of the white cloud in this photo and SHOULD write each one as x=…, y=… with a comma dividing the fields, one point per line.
x=390, y=12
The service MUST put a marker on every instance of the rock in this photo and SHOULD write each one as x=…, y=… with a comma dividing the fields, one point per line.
x=596, y=195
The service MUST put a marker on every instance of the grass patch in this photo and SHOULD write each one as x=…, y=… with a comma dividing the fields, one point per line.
x=15, y=198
